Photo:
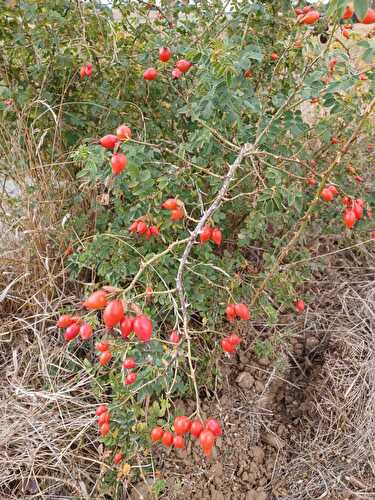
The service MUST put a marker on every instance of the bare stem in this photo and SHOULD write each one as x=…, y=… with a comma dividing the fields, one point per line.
x=245, y=150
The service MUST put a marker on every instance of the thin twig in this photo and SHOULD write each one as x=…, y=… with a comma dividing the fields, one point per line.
x=153, y=259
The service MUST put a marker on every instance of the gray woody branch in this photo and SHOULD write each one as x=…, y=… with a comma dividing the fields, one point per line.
x=245, y=150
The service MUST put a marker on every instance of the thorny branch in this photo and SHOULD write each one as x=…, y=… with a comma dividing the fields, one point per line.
x=245, y=150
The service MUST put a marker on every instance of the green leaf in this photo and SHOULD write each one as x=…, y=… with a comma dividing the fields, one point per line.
x=361, y=7
x=250, y=52
x=132, y=170
x=145, y=175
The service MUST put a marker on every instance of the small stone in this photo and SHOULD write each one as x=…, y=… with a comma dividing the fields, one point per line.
x=311, y=343
x=245, y=380
x=251, y=495
x=258, y=454
x=259, y=386
x=263, y=361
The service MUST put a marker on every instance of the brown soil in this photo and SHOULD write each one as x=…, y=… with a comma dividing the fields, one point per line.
x=260, y=411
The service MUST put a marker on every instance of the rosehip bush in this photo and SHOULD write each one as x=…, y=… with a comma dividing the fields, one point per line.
x=209, y=148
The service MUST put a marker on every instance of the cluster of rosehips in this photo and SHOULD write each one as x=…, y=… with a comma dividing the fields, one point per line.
x=207, y=433
x=129, y=364
x=230, y=343
x=103, y=419
x=182, y=66
x=329, y=192
x=140, y=227
x=354, y=208
x=110, y=141
x=175, y=208
x=74, y=327
x=113, y=315
x=240, y=311
x=106, y=355
x=210, y=233
x=353, y=211
x=307, y=15
x=86, y=70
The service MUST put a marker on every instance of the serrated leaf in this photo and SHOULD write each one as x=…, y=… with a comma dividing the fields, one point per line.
x=145, y=175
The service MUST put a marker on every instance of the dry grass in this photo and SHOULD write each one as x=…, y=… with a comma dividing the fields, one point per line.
x=47, y=409
x=48, y=443
x=48, y=437
x=334, y=455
